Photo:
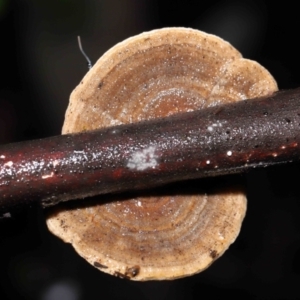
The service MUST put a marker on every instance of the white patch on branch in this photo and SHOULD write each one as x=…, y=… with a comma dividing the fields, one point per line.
x=48, y=175
x=143, y=159
x=8, y=164
x=55, y=163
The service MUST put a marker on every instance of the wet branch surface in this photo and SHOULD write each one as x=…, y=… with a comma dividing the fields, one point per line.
x=220, y=140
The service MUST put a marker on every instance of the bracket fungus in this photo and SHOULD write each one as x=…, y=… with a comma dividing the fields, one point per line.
x=181, y=229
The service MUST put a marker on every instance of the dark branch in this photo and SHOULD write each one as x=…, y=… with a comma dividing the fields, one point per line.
x=219, y=140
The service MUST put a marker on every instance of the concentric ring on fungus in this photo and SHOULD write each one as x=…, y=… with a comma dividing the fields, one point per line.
x=183, y=228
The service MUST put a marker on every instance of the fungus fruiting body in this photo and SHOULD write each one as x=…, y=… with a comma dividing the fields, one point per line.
x=178, y=230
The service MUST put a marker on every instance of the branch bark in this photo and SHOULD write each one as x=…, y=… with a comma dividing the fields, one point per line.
x=216, y=141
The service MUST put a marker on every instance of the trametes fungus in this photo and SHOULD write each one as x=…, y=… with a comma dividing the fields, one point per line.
x=182, y=229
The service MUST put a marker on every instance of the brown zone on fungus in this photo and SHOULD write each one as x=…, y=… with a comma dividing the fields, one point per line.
x=100, y=85
x=100, y=266
x=63, y=225
x=213, y=254
x=120, y=275
x=132, y=271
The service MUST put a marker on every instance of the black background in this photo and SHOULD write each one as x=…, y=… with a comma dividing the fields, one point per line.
x=40, y=65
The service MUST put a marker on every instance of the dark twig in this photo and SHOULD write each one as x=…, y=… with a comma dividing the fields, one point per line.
x=219, y=140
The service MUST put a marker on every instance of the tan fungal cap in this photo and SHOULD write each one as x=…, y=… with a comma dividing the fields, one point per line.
x=183, y=228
